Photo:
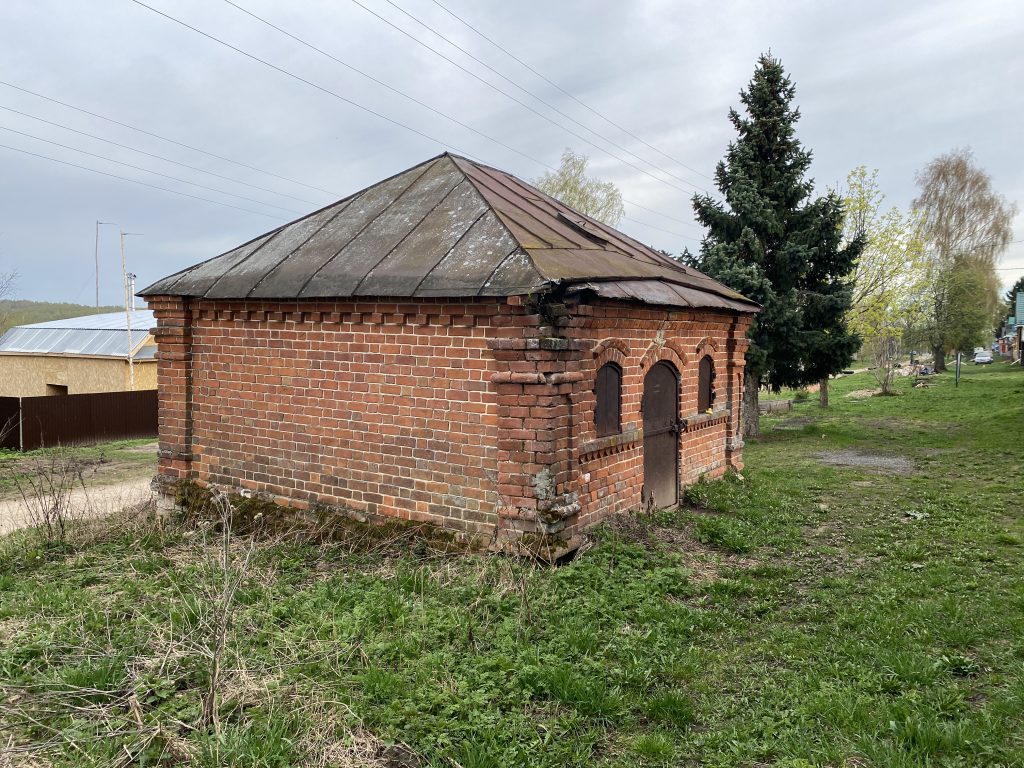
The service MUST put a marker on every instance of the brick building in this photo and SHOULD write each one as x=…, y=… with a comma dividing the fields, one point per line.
x=450, y=345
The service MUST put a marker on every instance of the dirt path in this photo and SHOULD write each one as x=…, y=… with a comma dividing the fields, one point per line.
x=94, y=500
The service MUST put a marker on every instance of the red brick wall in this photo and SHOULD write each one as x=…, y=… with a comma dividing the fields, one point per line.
x=468, y=415
x=610, y=475
x=173, y=335
x=382, y=408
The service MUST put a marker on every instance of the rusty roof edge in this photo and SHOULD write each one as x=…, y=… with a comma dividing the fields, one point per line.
x=686, y=273
x=620, y=241
x=737, y=297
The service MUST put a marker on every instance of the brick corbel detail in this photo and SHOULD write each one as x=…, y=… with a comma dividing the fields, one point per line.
x=173, y=336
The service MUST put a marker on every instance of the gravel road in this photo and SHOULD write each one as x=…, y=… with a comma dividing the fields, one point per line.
x=94, y=500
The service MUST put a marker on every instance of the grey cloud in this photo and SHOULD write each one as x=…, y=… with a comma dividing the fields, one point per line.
x=883, y=84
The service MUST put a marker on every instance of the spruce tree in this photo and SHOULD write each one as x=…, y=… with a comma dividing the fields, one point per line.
x=772, y=242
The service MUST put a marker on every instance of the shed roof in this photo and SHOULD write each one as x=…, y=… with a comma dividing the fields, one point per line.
x=104, y=335
x=448, y=227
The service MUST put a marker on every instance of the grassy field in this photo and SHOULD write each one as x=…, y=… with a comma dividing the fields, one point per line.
x=857, y=599
x=99, y=464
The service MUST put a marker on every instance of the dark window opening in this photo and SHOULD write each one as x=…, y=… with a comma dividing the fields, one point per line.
x=607, y=413
x=56, y=389
x=705, y=385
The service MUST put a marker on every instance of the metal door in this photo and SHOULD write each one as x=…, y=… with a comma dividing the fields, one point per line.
x=661, y=436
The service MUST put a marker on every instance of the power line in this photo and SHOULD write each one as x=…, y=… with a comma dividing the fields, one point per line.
x=564, y=91
x=420, y=103
x=523, y=104
x=158, y=157
x=546, y=103
x=380, y=115
x=165, y=138
x=660, y=229
x=301, y=79
x=390, y=87
x=147, y=170
x=663, y=215
x=214, y=155
x=141, y=183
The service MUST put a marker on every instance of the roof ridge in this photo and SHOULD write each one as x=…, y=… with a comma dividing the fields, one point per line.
x=455, y=159
x=271, y=232
x=373, y=218
x=499, y=236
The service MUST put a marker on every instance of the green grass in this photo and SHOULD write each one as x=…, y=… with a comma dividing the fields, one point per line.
x=806, y=615
x=103, y=462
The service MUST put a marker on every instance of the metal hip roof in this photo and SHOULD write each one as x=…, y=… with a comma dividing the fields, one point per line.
x=447, y=227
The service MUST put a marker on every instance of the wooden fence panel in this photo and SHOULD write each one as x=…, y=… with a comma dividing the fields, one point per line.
x=10, y=429
x=49, y=421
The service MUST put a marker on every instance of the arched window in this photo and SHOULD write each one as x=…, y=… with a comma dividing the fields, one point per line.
x=705, y=384
x=608, y=390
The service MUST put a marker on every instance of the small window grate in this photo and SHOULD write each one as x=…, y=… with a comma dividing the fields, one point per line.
x=608, y=391
x=705, y=384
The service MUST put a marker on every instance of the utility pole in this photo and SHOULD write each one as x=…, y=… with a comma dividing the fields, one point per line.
x=97, y=257
x=128, y=309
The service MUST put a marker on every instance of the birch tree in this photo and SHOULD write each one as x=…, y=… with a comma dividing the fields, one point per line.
x=966, y=226
x=571, y=185
x=889, y=281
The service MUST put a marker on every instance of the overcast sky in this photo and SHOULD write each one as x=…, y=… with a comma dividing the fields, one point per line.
x=883, y=84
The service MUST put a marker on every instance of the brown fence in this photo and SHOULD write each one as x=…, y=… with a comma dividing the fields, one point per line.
x=47, y=421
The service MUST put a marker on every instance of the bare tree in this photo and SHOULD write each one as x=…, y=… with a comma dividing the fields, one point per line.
x=966, y=226
x=570, y=184
x=7, y=280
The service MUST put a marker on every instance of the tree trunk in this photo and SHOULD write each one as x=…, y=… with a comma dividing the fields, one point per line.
x=887, y=380
x=823, y=392
x=940, y=359
x=751, y=414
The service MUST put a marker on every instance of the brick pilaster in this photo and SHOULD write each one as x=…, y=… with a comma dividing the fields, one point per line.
x=173, y=336
x=736, y=349
x=534, y=385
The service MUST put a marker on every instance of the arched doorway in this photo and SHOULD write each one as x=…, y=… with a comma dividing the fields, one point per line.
x=660, y=407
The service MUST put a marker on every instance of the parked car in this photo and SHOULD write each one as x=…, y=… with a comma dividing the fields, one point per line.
x=983, y=358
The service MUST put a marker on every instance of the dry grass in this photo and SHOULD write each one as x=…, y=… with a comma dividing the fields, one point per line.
x=223, y=563
x=704, y=562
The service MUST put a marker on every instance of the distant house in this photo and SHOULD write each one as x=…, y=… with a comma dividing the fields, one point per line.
x=79, y=355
